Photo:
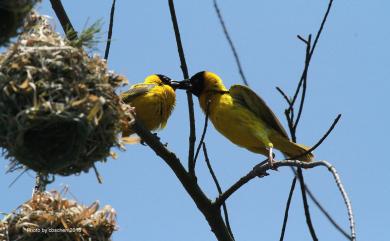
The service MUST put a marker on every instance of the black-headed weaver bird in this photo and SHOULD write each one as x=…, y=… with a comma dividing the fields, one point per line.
x=152, y=101
x=243, y=117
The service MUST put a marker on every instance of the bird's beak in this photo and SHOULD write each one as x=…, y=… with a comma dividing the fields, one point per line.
x=184, y=84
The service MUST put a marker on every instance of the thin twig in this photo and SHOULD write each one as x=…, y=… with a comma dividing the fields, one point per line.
x=324, y=211
x=290, y=123
x=321, y=140
x=287, y=208
x=301, y=179
x=206, y=121
x=224, y=206
x=297, y=90
x=321, y=27
x=347, y=202
x=304, y=85
x=183, y=66
x=302, y=39
x=225, y=195
x=314, y=46
x=304, y=72
x=67, y=26
x=231, y=44
x=25, y=169
x=261, y=169
x=97, y=174
x=284, y=95
x=111, y=26
x=306, y=205
x=311, y=195
x=327, y=214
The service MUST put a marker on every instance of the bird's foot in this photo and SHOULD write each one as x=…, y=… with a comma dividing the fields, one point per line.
x=271, y=156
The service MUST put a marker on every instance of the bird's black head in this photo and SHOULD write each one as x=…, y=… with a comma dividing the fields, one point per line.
x=165, y=79
x=197, y=83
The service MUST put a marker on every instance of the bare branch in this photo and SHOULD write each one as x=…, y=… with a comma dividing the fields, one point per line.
x=25, y=169
x=183, y=64
x=231, y=44
x=284, y=95
x=312, y=49
x=184, y=69
x=287, y=208
x=306, y=205
x=206, y=120
x=321, y=140
x=308, y=190
x=109, y=35
x=261, y=169
x=307, y=60
x=67, y=26
x=224, y=206
x=326, y=213
x=321, y=27
x=97, y=174
x=302, y=39
x=290, y=121
x=243, y=180
x=347, y=202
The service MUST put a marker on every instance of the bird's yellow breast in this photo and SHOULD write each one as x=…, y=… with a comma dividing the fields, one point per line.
x=154, y=107
x=235, y=122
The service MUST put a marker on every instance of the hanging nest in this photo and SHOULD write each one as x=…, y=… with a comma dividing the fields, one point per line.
x=49, y=217
x=12, y=15
x=59, y=113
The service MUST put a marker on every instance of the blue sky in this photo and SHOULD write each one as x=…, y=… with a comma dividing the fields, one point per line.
x=348, y=75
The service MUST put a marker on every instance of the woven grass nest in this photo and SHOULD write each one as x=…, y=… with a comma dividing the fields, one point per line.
x=59, y=113
x=12, y=14
x=49, y=217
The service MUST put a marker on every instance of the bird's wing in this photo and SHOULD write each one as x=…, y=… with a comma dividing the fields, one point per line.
x=250, y=100
x=134, y=91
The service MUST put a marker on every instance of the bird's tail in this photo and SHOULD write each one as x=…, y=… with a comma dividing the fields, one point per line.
x=292, y=149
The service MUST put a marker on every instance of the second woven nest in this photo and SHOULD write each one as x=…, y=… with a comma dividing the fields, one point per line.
x=49, y=217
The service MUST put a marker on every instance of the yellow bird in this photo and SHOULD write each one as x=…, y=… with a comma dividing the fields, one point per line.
x=243, y=117
x=153, y=101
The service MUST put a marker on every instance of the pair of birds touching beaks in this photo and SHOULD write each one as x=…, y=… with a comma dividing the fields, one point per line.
x=238, y=113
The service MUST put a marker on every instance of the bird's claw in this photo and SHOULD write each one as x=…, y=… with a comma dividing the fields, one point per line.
x=271, y=161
